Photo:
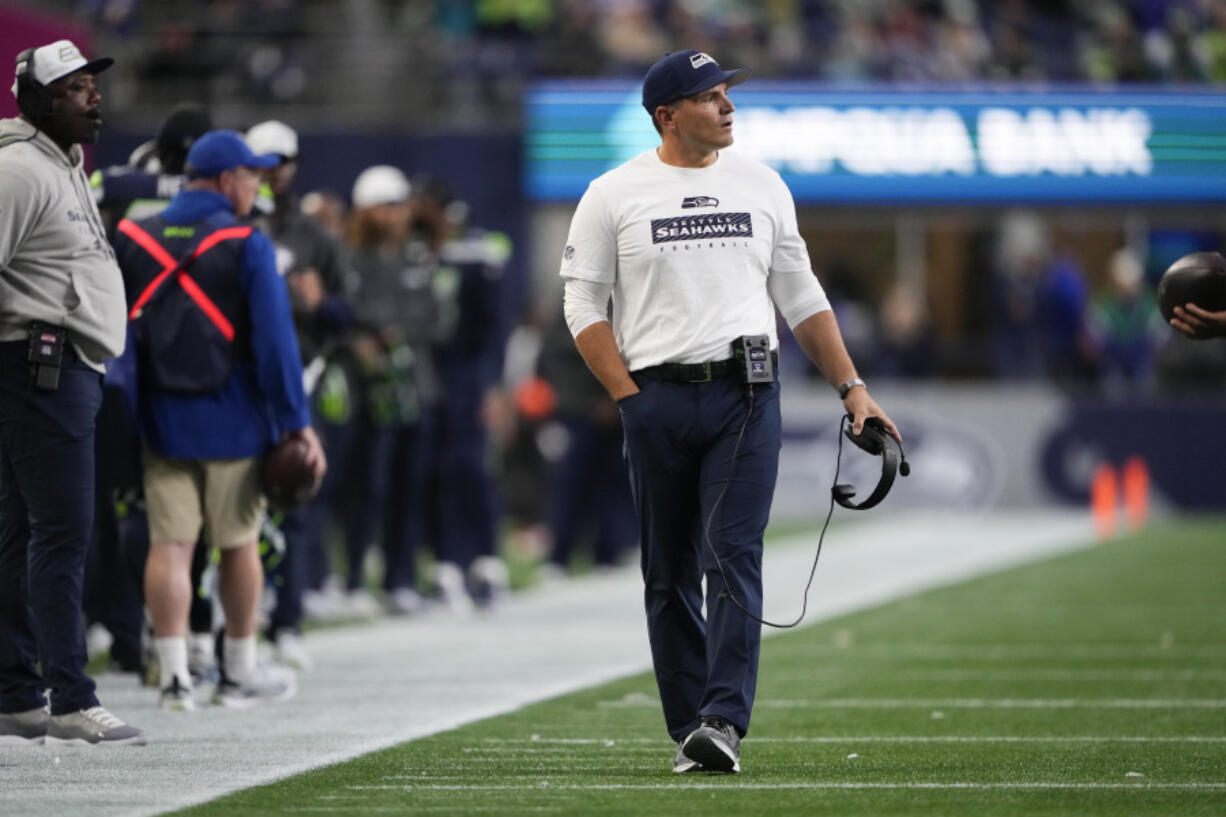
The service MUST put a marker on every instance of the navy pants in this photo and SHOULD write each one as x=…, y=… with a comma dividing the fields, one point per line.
x=387, y=501
x=46, y=517
x=465, y=501
x=114, y=574
x=590, y=493
x=680, y=439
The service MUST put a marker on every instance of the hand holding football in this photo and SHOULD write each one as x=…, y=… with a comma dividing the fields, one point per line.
x=1198, y=278
x=289, y=479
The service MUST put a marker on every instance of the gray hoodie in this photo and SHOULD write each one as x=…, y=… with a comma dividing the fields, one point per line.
x=56, y=265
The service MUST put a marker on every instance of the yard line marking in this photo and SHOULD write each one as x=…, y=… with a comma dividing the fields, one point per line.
x=1088, y=674
x=512, y=744
x=996, y=652
x=635, y=700
x=545, y=785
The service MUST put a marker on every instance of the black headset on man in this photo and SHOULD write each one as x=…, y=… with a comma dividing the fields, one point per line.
x=873, y=439
x=33, y=98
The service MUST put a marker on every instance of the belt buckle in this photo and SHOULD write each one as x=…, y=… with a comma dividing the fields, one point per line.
x=706, y=378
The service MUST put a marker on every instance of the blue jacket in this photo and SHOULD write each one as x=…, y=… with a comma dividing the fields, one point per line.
x=264, y=395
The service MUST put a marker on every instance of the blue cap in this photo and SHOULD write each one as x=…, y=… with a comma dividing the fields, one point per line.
x=220, y=150
x=685, y=73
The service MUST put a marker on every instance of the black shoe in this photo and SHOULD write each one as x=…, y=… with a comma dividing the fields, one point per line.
x=715, y=745
x=683, y=764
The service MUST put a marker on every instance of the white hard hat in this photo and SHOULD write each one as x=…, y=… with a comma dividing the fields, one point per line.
x=380, y=184
x=273, y=137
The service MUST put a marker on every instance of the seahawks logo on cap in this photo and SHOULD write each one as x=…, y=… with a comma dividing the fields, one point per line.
x=699, y=60
x=690, y=202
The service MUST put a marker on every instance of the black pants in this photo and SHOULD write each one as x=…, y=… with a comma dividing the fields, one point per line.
x=46, y=517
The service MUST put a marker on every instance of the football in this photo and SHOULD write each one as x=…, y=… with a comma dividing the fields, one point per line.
x=1198, y=278
x=288, y=480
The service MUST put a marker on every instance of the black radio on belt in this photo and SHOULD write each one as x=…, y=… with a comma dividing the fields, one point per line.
x=753, y=354
x=46, y=352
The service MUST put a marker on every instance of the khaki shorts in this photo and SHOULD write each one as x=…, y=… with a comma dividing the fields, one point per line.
x=222, y=497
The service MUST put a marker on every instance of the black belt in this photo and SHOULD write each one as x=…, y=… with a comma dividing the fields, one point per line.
x=697, y=372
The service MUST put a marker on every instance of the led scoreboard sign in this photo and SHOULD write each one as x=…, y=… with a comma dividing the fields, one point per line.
x=885, y=146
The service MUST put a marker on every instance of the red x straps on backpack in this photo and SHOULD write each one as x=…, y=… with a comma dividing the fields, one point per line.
x=170, y=265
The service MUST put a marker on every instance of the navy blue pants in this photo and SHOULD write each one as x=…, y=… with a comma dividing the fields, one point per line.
x=386, y=501
x=590, y=493
x=46, y=517
x=680, y=439
x=465, y=502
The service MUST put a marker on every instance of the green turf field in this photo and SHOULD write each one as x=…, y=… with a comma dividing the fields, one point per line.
x=1092, y=684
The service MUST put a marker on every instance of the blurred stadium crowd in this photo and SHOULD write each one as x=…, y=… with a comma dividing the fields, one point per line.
x=463, y=63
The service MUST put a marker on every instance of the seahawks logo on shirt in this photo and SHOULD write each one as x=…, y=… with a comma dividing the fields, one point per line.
x=690, y=202
x=710, y=225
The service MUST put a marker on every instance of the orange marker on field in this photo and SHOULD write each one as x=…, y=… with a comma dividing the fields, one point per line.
x=1104, y=492
x=1136, y=492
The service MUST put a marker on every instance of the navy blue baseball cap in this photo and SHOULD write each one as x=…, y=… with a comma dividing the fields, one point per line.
x=685, y=73
x=220, y=150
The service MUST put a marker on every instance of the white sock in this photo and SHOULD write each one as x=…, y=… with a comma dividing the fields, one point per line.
x=239, y=656
x=172, y=653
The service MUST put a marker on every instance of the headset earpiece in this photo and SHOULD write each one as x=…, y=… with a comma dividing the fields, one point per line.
x=33, y=98
x=874, y=439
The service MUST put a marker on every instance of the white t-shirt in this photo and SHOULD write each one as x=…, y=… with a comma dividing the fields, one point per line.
x=694, y=257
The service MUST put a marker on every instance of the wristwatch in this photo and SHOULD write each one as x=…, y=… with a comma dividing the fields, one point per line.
x=846, y=388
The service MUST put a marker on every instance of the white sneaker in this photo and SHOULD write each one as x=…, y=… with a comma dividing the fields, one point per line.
x=177, y=697
x=98, y=640
x=489, y=581
x=321, y=606
x=452, y=593
x=91, y=727
x=404, y=601
x=268, y=684
x=361, y=604
x=325, y=604
x=290, y=650
x=202, y=657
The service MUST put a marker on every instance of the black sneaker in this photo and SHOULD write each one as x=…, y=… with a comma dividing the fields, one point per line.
x=683, y=764
x=715, y=745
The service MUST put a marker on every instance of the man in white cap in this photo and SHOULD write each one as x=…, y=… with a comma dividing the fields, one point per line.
x=61, y=316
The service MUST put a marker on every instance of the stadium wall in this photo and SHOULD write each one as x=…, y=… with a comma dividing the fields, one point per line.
x=1002, y=445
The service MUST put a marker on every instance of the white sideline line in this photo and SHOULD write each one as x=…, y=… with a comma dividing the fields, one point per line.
x=392, y=681
x=545, y=785
x=998, y=703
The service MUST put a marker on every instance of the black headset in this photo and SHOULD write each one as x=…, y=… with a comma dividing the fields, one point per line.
x=33, y=98
x=874, y=439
